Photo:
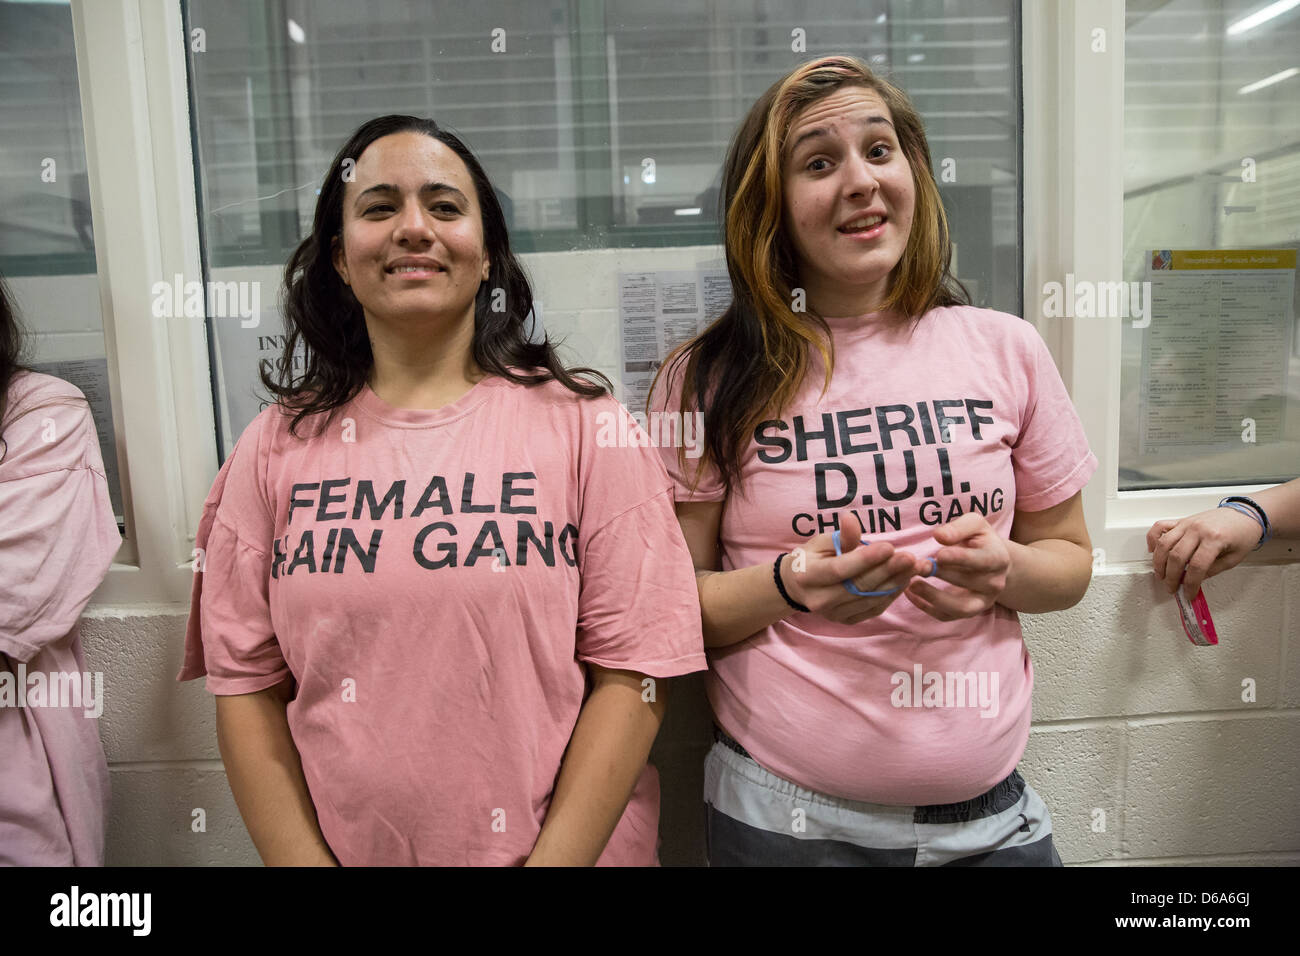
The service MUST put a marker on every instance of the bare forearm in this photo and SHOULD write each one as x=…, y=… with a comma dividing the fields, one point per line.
x=737, y=604
x=1046, y=575
x=609, y=748
x=265, y=774
x=1282, y=505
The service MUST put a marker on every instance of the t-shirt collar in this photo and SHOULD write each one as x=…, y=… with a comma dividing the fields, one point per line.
x=376, y=407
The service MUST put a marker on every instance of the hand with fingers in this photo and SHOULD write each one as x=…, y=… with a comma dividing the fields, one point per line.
x=878, y=566
x=974, y=559
x=1189, y=550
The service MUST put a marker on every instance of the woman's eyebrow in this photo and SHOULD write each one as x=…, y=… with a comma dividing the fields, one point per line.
x=824, y=131
x=429, y=187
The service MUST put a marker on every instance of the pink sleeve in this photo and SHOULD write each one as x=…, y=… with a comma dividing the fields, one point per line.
x=229, y=635
x=1051, y=457
x=58, y=534
x=666, y=400
x=57, y=531
x=638, y=606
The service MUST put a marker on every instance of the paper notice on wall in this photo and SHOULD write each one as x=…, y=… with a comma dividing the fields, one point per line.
x=658, y=311
x=91, y=376
x=1215, y=354
x=240, y=354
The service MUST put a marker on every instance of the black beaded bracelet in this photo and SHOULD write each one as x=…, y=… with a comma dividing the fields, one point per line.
x=1240, y=503
x=776, y=575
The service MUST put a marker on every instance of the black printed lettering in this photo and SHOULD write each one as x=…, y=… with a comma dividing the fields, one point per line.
x=467, y=497
x=482, y=548
x=348, y=542
x=882, y=482
x=569, y=535
x=508, y=491
x=885, y=428
x=803, y=438
x=524, y=534
x=448, y=548
x=824, y=501
x=437, y=486
x=977, y=419
x=772, y=441
x=296, y=502
x=304, y=555
x=366, y=494
x=327, y=499
x=847, y=431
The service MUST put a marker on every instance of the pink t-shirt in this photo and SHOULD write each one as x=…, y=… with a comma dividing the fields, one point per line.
x=58, y=537
x=432, y=580
x=852, y=710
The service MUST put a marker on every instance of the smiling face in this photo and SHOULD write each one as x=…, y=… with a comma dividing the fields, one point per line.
x=849, y=200
x=412, y=244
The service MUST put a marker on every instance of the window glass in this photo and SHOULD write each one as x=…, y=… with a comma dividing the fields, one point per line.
x=47, y=242
x=1211, y=377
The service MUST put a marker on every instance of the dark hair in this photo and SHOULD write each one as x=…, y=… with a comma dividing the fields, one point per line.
x=321, y=311
x=749, y=364
x=12, y=349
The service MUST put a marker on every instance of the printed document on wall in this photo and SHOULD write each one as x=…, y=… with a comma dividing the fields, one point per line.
x=1216, y=350
x=658, y=311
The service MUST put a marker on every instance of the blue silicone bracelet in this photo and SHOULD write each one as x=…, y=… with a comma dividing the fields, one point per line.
x=853, y=588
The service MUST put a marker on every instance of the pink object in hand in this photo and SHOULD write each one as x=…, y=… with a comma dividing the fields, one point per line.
x=1195, y=615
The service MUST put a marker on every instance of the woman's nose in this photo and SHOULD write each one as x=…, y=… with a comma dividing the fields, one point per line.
x=860, y=177
x=412, y=224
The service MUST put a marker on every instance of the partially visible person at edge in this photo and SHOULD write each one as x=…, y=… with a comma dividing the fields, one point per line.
x=435, y=607
x=58, y=536
x=1190, y=550
x=850, y=387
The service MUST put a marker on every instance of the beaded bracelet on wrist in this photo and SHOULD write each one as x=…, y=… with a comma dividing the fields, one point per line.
x=776, y=575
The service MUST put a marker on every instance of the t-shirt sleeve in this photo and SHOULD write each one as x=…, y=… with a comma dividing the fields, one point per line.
x=638, y=607
x=666, y=401
x=59, y=534
x=229, y=635
x=1051, y=457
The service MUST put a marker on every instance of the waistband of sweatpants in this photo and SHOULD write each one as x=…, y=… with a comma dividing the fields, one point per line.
x=998, y=798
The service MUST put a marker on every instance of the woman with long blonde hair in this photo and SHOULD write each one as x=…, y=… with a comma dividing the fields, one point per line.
x=869, y=435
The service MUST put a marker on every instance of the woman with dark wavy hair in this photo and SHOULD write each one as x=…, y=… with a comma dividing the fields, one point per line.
x=58, y=536
x=866, y=428
x=435, y=615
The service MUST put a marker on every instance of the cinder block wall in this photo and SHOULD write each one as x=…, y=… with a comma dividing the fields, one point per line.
x=1142, y=745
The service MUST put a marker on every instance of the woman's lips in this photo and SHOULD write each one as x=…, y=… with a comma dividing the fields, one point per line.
x=423, y=273
x=869, y=233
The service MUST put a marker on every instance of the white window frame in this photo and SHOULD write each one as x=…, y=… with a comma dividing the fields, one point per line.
x=1074, y=223
x=135, y=112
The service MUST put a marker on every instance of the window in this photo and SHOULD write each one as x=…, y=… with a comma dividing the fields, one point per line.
x=603, y=123
x=1076, y=157
x=1212, y=164
x=47, y=246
